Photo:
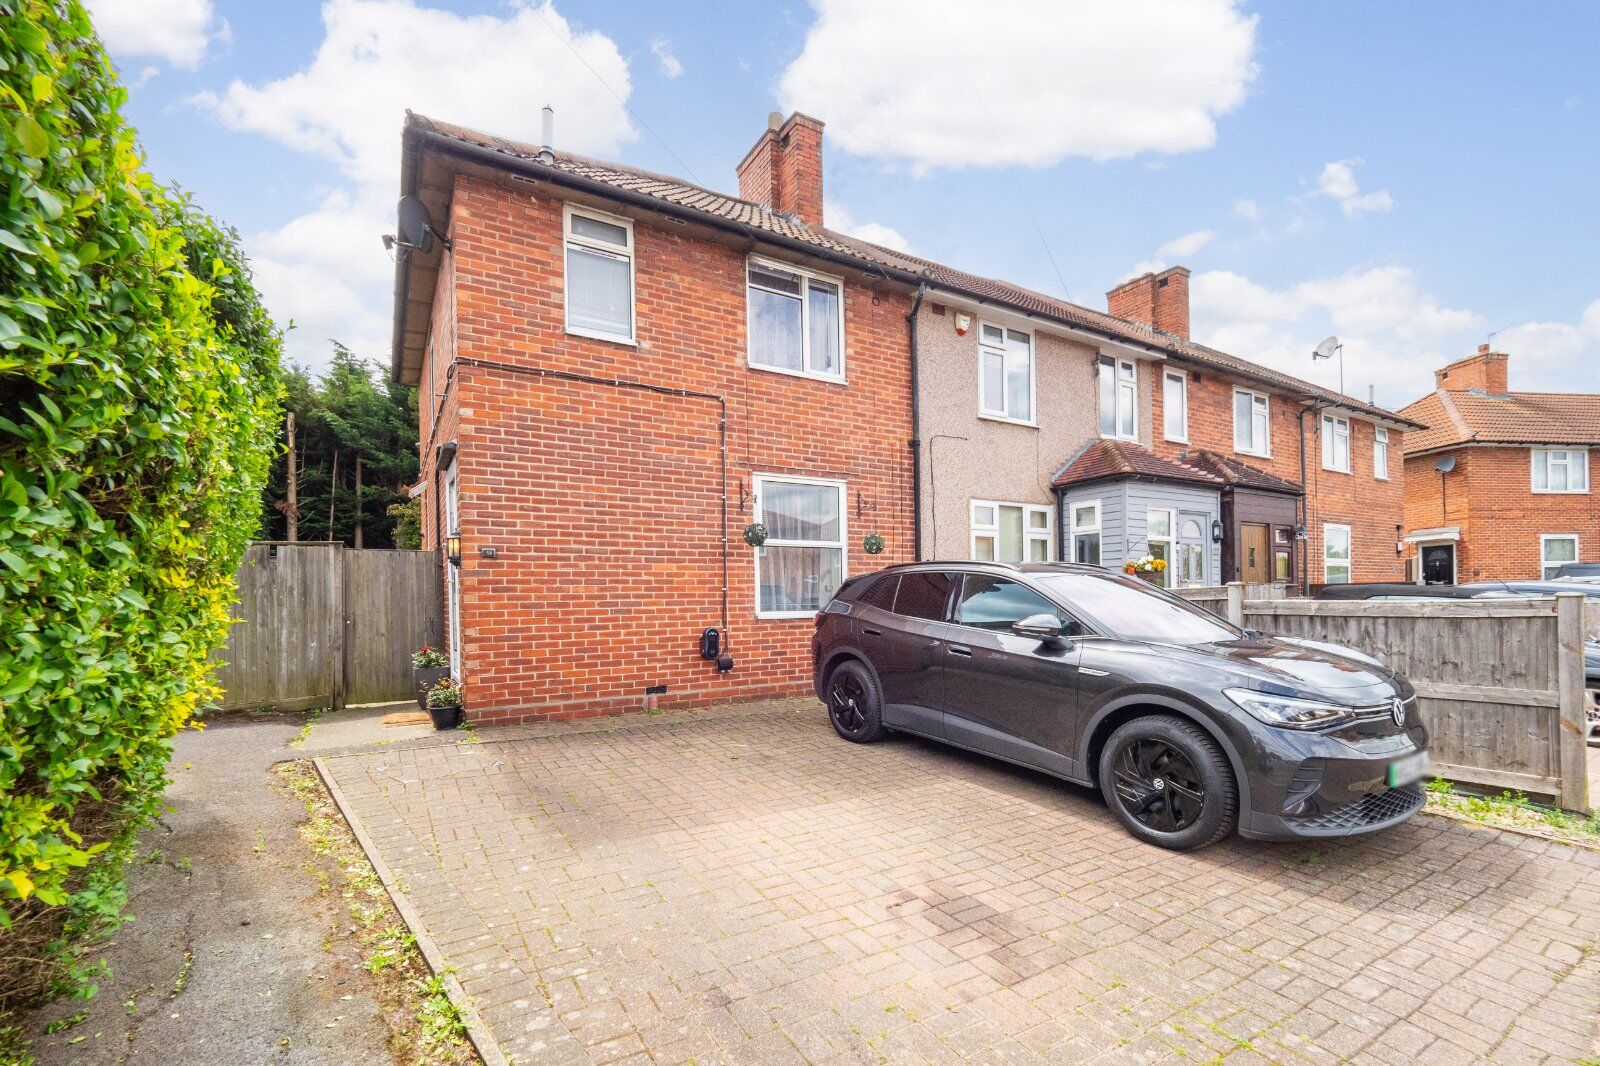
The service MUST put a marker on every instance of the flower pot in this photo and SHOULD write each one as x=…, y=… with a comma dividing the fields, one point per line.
x=446, y=717
x=424, y=678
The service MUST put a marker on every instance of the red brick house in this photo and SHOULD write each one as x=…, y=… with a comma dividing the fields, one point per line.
x=1497, y=488
x=618, y=372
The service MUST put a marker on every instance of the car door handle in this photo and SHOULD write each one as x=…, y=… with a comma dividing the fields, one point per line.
x=957, y=649
x=869, y=631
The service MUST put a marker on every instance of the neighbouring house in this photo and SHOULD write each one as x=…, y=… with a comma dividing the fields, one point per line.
x=1497, y=488
x=624, y=377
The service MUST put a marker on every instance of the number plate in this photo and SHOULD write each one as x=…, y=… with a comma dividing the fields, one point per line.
x=1411, y=768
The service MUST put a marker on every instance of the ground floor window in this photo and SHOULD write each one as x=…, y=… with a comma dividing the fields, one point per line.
x=1086, y=532
x=1555, y=549
x=1336, y=555
x=1158, y=542
x=802, y=563
x=1010, y=532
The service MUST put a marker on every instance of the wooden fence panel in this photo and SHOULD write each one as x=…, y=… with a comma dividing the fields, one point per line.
x=391, y=607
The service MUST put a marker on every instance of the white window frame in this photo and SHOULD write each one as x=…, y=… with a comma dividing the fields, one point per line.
x=1545, y=562
x=1380, y=453
x=1331, y=429
x=1029, y=534
x=1168, y=578
x=758, y=483
x=1349, y=563
x=1119, y=388
x=569, y=238
x=987, y=412
x=1182, y=377
x=1074, y=530
x=1567, y=461
x=806, y=275
x=1265, y=450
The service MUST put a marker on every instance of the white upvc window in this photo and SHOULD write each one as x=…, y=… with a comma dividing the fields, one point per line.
x=803, y=563
x=1560, y=470
x=1252, y=424
x=1085, y=527
x=1158, y=535
x=1555, y=549
x=1119, y=398
x=1380, y=454
x=796, y=320
x=1005, y=373
x=599, y=275
x=1175, y=405
x=1336, y=555
x=1010, y=532
x=1335, y=443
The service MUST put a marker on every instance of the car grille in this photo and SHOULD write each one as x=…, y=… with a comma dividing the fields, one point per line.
x=1372, y=809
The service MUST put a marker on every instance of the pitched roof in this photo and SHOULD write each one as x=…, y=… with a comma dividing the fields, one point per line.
x=1106, y=460
x=1232, y=472
x=756, y=219
x=1468, y=416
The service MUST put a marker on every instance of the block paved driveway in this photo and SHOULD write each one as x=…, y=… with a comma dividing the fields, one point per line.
x=738, y=885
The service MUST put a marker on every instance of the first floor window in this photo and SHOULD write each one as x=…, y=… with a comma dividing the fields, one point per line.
x=1335, y=443
x=1560, y=470
x=1380, y=453
x=1158, y=541
x=1175, y=405
x=1005, y=372
x=1555, y=549
x=802, y=564
x=1086, y=532
x=1336, y=555
x=1010, y=532
x=796, y=321
x=599, y=276
x=1251, y=426
x=1119, y=399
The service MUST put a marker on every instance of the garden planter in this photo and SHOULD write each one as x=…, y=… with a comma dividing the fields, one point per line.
x=424, y=678
x=448, y=717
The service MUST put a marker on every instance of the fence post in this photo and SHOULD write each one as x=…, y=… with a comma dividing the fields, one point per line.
x=1235, y=607
x=1573, y=730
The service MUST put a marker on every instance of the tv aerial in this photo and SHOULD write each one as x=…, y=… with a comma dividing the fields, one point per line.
x=1326, y=350
x=416, y=232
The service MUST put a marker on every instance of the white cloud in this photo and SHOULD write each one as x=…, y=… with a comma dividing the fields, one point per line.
x=1545, y=354
x=1338, y=182
x=1395, y=335
x=1248, y=210
x=327, y=269
x=841, y=219
x=1177, y=248
x=661, y=48
x=938, y=83
x=177, y=31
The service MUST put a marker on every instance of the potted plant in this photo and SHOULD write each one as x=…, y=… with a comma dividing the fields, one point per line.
x=1146, y=566
x=429, y=666
x=444, y=704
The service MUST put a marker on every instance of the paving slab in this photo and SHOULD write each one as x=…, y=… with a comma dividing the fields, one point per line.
x=738, y=885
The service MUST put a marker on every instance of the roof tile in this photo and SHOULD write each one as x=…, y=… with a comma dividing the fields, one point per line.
x=1465, y=416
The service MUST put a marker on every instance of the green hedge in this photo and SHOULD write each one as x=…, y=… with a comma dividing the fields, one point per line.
x=139, y=395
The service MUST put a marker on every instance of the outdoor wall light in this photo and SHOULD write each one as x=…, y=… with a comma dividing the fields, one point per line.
x=452, y=548
x=1216, y=531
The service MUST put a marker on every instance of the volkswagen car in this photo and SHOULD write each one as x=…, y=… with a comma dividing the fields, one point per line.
x=1190, y=727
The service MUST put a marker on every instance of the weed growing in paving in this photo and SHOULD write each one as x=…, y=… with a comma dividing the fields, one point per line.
x=1514, y=810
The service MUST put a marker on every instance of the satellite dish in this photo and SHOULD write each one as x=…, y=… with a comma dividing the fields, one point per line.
x=416, y=231
x=1445, y=464
x=1326, y=349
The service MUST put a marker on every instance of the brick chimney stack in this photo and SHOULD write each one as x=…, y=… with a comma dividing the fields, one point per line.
x=784, y=169
x=1159, y=300
x=1485, y=371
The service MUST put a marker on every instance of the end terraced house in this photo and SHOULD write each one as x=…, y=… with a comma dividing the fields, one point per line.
x=619, y=372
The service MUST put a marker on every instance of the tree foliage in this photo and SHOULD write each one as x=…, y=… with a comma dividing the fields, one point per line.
x=352, y=410
x=139, y=395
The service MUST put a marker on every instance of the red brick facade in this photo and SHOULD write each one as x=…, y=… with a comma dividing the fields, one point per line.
x=604, y=504
x=784, y=169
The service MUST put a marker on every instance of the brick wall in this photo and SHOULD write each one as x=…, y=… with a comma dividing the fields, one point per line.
x=604, y=504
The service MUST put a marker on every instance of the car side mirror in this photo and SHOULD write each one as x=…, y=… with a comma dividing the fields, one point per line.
x=1045, y=628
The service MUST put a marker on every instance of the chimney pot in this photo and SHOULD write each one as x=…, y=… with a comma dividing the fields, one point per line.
x=1483, y=372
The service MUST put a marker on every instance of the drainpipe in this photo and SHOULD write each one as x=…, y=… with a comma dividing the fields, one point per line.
x=1305, y=507
x=915, y=444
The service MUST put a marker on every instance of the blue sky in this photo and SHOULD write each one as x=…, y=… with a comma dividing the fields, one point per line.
x=1409, y=176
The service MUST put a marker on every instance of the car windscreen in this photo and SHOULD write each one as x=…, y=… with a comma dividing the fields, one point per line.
x=1130, y=609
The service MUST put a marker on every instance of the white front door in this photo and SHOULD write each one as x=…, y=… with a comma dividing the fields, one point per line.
x=452, y=581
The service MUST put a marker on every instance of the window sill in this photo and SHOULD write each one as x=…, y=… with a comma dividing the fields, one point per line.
x=596, y=335
x=779, y=616
x=990, y=417
x=1119, y=436
x=829, y=379
x=1560, y=492
x=1336, y=470
x=1176, y=440
x=1255, y=455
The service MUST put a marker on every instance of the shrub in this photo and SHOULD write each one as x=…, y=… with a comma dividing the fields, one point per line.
x=139, y=391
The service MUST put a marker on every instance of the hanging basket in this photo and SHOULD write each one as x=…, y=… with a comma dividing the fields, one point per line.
x=755, y=534
x=873, y=543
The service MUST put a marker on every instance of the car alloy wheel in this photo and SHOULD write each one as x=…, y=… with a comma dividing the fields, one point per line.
x=854, y=706
x=1158, y=786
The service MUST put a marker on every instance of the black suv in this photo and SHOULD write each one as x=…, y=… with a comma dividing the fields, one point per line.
x=1189, y=726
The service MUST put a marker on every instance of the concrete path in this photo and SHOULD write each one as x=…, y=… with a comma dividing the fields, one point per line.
x=235, y=956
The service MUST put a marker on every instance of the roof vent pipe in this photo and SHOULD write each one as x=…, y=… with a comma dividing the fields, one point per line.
x=547, y=134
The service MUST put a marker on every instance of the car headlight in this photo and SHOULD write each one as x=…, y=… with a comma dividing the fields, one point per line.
x=1287, y=712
